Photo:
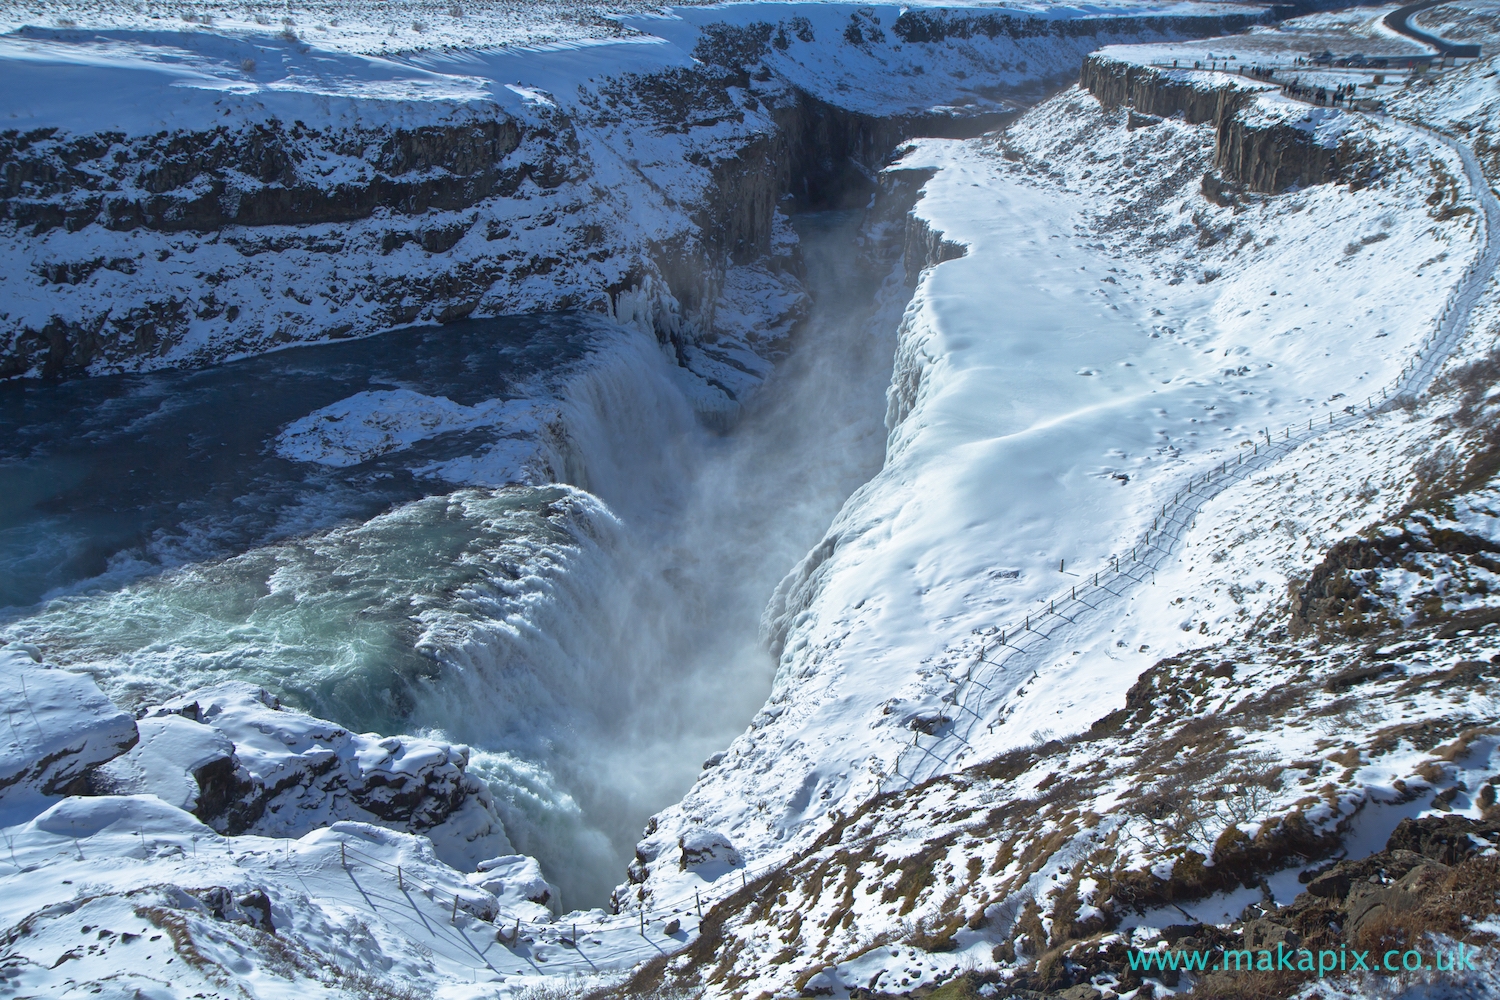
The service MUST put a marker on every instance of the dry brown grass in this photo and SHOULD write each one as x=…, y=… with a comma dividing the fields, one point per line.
x=1443, y=904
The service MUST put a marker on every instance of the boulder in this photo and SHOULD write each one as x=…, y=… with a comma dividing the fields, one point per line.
x=1265, y=934
x=701, y=847
x=514, y=879
x=177, y=760
x=252, y=909
x=1446, y=839
x=1375, y=897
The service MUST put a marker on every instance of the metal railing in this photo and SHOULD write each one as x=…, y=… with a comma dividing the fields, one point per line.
x=969, y=701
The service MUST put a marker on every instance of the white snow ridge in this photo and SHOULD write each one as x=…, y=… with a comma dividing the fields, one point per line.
x=752, y=500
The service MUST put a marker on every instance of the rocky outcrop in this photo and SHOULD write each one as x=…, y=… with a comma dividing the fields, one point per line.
x=240, y=237
x=61, y=728
x=266, y=173
x=1429, y=567
x=927, y=247
x=514, y=880
x=185, y=246
x=477, y=213
x=1267, y=153
x=240, y=762
x=933, y=26
x=1272, y=157
x=1165, y=94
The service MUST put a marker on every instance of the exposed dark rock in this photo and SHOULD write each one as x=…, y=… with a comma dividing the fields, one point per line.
x=254, y=175
x=701, y=847
x=1445, y=839
x=1268, y=157
x=62, y=728
x=1272, y=158
x=1150, y=91
x=288, y=773
x=1219, y=192
x=926, y=247
x=935, y=26
x=252, y=909
x=1340, y=591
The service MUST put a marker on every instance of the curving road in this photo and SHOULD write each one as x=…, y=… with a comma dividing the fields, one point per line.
x=1399, y=21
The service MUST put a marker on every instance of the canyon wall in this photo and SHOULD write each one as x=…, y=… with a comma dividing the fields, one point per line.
x=283, y=211
x=1264, y=144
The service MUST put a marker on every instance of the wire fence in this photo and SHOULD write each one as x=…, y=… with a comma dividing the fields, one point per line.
x=1121, y=572
x=917, y=762
x=972, y=699
x=570, y=931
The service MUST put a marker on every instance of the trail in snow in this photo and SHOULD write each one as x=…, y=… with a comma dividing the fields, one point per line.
x=1004, y=667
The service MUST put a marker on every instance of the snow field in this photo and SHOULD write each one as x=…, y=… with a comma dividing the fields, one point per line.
x=1081, y=340
x=1245, y=546
x=1108, y=335
x=1049, y=827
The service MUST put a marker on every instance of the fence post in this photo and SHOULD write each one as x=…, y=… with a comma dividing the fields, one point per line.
x=699, y=903
x=454, y=918
x=399, y=884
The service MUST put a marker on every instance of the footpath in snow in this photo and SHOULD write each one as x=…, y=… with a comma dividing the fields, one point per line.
x=1110, y=352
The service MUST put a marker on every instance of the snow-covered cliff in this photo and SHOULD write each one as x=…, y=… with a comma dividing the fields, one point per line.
x=994, y=664
x=199, y=191
x=1041, y=685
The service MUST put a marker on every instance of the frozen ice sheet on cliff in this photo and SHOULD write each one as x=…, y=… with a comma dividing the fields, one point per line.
x=60, y=727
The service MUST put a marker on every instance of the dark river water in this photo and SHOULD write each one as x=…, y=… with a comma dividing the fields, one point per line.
x=104, y=479
x=589, y=624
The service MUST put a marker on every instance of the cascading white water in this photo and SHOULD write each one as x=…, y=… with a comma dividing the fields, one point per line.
x=710, y=523
x=592, y=642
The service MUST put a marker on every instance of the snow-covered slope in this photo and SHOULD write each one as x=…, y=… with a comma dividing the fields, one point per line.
x=242, y=763
x=62, y=727
x=1073, y=762
x=1108, y=334
x=974, y=755
x=206, y=188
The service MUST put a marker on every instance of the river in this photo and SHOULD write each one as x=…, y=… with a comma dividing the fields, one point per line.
x=514, y=533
